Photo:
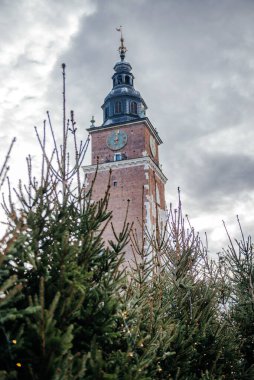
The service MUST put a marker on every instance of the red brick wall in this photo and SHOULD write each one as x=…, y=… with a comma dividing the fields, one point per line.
x=135, y=183
x=130, y=182
x=138, y=142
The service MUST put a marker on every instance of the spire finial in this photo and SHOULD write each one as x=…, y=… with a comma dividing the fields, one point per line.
x=122, y=49
x=92, y=122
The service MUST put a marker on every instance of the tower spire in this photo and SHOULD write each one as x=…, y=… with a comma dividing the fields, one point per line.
x=123, y=103
x=122, y=49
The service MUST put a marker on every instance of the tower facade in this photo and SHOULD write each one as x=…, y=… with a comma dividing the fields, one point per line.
x=128, y=144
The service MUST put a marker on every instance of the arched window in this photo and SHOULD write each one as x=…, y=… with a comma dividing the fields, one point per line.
x=134, y=107
x=118, y=107
x=127, y=79
x=119, y=79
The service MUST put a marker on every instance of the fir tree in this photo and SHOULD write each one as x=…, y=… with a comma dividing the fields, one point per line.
x=239, y=262
x=174, y=314
x=69, y=277
x=10, y=289
x=68, y=310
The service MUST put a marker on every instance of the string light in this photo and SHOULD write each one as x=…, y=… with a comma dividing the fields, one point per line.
x=18, y=365
x=14, y=341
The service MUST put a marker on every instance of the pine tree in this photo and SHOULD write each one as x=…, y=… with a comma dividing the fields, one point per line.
x=239, y=262
x=174, y=314
x=69, y=277
x=69, y=311
x=10, y=289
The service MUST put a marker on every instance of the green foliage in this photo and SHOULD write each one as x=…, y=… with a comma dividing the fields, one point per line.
x=69, y=311
x=174, y=308
x=238, y=260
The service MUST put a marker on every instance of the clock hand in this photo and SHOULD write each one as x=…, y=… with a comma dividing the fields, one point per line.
x=116, y=136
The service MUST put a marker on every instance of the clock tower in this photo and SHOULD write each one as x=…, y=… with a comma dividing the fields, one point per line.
x=128, y=144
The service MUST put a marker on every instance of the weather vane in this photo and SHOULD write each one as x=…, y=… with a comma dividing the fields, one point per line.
x=122, y=49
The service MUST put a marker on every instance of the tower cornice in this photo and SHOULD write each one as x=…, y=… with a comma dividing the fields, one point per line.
x=144, y=120
x=140, y=161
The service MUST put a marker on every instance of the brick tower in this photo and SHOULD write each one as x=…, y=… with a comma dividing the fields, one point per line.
x=127, y=143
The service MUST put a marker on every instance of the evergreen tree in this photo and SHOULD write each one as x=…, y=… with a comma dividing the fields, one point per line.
x=69, y=277
x=174, y=306
x=10, y=290
x=239, y=262
x=69, y=311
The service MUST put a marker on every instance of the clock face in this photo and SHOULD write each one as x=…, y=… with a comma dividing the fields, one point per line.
x=117, y=140
x=152, y=145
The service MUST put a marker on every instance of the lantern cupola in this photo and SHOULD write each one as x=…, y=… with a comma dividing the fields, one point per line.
x=123, y=103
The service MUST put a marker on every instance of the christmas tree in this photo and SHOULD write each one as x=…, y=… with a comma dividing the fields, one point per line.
x=69, y=309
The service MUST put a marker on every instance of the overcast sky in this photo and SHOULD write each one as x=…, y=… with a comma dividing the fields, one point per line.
x=193, y=63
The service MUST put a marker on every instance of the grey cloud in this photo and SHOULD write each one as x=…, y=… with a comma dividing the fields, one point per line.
x=212, y=179
x=193, y=64
x=224, y=174
x=25, y=60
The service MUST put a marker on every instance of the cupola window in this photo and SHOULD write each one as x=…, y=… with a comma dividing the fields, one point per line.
x=134, y=107
x=127, y=79
x=119, y=79
x=118, y=107
x=106, y=112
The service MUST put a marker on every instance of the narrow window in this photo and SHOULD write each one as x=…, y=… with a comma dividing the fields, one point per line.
x=114, y=183
x=118, y=156
x=134, y=107
x=118, y=107
x=127, y=79
x=158, y=194
x=119, y=79
x=106, y=112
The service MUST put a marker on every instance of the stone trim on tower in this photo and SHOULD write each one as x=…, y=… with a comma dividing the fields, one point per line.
x=147, y=162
